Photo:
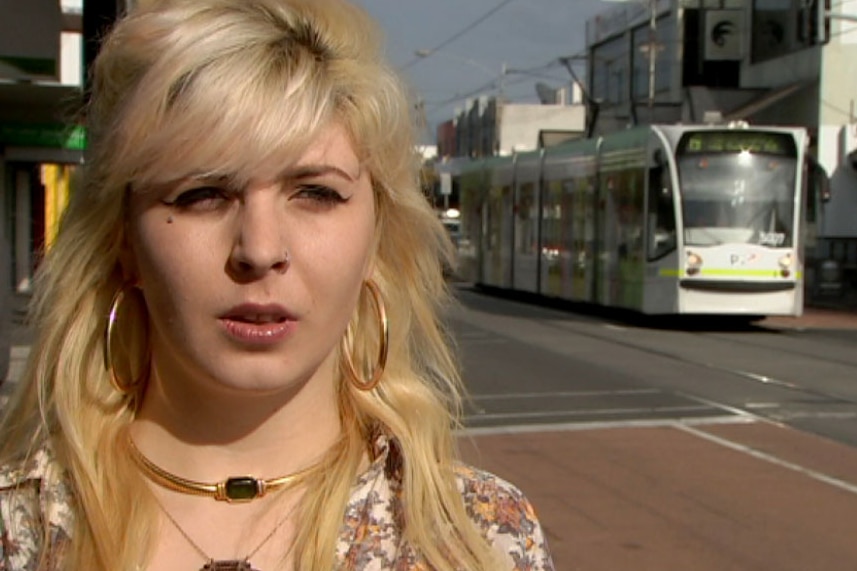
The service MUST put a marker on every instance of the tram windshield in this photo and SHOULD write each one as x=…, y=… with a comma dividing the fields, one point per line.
x=737, y=186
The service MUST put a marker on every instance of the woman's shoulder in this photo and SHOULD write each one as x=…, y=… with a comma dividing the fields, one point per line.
x=32, y=493
x=493, y=501
x=38, y=478
x=35, y=467
x=506, y=517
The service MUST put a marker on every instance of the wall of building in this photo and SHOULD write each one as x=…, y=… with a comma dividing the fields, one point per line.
x=520, y=124
x=837, y=136
x=790, y=68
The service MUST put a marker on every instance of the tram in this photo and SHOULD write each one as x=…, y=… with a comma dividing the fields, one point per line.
x=660, y=219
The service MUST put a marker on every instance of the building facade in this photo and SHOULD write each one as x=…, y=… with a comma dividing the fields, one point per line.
x=41, y=144
x=488, y=126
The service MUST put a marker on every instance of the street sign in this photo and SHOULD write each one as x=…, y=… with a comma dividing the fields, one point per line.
x=445, y=184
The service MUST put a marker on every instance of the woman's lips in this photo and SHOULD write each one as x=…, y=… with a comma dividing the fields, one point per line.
x=258, y=324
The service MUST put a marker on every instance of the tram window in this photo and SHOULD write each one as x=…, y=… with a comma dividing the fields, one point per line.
x=661, y=214
x=731, y=198
x=526, y=221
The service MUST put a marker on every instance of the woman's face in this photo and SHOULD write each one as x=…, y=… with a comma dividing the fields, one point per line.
x=251, y=289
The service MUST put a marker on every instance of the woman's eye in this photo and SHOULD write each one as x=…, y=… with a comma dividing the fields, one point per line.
x=320, y=194
x=200, y=197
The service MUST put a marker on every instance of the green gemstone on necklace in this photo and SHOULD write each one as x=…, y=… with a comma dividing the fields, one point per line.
x=242, y=489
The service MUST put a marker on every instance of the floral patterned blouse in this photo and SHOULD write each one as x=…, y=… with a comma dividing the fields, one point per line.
x=36, y=496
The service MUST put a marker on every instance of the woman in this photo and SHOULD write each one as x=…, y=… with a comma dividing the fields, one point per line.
x=216, y=305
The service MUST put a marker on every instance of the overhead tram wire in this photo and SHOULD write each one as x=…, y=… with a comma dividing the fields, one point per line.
x=435, y=105
x=460, y=33
x=526, y=73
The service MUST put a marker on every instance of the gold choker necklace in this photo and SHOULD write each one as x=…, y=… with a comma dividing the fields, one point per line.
x=237, y=489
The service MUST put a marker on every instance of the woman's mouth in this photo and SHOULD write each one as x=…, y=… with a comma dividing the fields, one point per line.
x=257, y=324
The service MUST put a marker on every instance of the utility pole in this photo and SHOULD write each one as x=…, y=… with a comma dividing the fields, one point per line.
x=653, y=53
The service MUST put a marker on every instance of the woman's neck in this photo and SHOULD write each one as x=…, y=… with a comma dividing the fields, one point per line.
x=207, y=435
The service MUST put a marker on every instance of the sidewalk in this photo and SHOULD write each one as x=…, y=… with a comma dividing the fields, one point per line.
x=21, y=334
x=815, y=318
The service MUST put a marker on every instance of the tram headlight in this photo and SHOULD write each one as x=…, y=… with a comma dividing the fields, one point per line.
x=693, y=263
x=785, y=265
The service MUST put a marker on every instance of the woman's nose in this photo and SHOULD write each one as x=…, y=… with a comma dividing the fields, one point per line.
x=260, y=246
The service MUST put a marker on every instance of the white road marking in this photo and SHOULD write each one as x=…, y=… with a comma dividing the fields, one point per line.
x=594, y=412
x=686, y=425
x=815, y=475
x=602, y=424
x=824, y=414
x=714, y=404
x=764, y=379
x=564, y=394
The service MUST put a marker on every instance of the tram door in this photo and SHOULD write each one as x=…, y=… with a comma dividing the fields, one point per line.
x=568, y=225
x=583, y=232
x=499, y=228
x=471, y=192
x=620, y=219
x=526, y=223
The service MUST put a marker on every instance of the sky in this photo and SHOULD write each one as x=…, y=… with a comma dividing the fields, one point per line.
x=475, y=39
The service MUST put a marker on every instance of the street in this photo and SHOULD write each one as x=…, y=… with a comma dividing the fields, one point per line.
x=661, y=447
x=530, y=364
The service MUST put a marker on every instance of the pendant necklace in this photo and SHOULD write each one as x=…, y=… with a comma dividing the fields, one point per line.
x=244, y=564
x=232, y=490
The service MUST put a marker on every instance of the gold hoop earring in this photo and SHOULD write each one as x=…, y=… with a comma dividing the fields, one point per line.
x=383, y=340
x=122, y=387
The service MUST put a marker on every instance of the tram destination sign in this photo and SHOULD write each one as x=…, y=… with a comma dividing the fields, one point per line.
x=736, y=141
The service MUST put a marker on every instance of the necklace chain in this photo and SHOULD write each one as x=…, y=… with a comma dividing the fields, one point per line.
x=205, y=555
x=211, y=562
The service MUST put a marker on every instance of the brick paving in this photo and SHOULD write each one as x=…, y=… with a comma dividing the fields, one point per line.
x=757, y=497
x=749, y=496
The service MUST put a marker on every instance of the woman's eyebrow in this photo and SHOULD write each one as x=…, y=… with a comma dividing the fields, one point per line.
x=310, y=171
x=210, y=177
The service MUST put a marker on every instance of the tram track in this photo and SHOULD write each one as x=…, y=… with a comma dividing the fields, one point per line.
x=755, y=377
x=803, y=402
x=794, y=348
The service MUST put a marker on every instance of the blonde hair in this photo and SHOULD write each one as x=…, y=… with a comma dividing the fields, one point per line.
x=182, y=85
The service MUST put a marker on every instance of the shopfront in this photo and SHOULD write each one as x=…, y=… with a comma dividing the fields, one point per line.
x=37, y=171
